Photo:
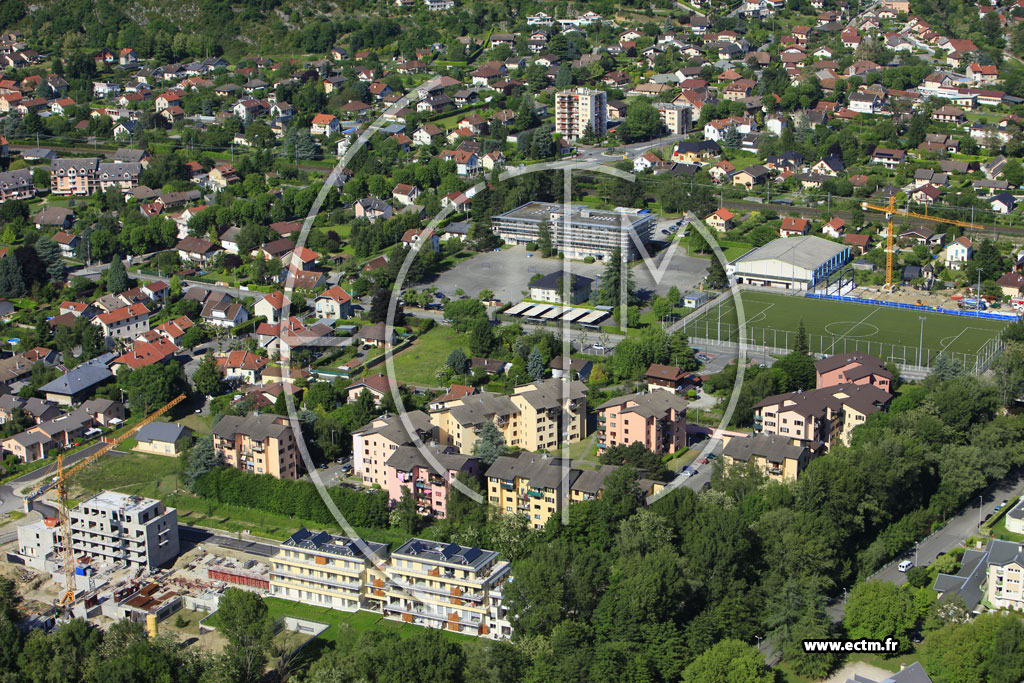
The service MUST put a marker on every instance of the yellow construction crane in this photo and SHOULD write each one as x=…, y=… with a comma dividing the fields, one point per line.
x=891, y=211
x=60, y=482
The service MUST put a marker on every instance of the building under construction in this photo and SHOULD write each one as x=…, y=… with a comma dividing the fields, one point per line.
x=109, y=528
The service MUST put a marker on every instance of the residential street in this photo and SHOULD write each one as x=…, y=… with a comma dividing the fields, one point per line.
x=950, y=536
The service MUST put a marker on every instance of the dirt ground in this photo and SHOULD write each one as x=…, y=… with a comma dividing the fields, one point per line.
x=909, y=295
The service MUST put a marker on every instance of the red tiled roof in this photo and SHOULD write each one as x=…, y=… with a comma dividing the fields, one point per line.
x=122, y=314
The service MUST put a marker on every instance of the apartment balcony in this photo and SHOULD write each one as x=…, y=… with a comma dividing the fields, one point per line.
x=508, y=487
x=305, y=581
x=399, y=608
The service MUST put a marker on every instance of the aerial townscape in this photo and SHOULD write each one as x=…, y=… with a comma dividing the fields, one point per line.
x=650, y=341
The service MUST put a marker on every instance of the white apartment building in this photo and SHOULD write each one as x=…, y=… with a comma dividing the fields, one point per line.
x=124, y=323
x=575, y=109
x=448, y=586
x=426, y=583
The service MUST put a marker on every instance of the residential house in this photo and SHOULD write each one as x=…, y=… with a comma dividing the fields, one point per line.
x=373, y=209
x=852, y=368
x=163, y=438
x=752, y=175
x=325, y=124
x=333, y=304
x=721, y=220
x=242, y=365
x=127, y=322
x=667, y=377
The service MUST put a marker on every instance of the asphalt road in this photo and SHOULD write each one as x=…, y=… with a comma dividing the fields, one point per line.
x=10, y=501
x=951, y=536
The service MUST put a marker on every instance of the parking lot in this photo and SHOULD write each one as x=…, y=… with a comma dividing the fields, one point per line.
x=507, y=273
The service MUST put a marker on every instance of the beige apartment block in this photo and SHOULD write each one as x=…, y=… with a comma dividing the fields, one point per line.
x=261, y=444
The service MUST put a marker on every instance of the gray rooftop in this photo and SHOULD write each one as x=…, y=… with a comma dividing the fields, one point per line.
x=555, y=281
x=657, y=404
x=582, y=216
x=448, y=553
x=258, y=427
x=405, y=458
x=543, y=472
x=806, y=251
x=83, y=377
x=772, y=448
x=391, y=427
x=162, y=431
x=330, y=544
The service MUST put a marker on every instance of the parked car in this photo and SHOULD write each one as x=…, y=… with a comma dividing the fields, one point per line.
x=905, y=566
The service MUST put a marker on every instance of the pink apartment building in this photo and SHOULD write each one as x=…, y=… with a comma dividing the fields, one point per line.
x=657, y=419
x=374, y=443
x=409, y=468
x=852, y=368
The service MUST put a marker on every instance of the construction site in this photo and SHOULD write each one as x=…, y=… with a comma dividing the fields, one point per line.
x=174, y=598
x=115, y=556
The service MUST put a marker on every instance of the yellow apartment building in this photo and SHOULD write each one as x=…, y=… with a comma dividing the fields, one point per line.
x=540, y=486
x=327, y=571
x=449, y=586
x=536, y=417
x=774, y=456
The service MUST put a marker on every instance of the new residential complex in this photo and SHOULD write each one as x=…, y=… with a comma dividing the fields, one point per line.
x=427, y=583
x=578, y=109
x=327, y=571
x=449, y=586
x=109, y=527
x=589, y=232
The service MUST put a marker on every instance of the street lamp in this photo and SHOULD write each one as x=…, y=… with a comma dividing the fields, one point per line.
x=980, y=499
x=759, y=639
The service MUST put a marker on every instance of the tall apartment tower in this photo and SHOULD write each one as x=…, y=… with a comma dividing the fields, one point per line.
x=576, y=108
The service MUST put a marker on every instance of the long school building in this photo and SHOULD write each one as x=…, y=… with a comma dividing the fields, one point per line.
x=590, y=232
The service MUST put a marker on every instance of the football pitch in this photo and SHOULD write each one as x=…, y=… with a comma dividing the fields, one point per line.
x=900, y=335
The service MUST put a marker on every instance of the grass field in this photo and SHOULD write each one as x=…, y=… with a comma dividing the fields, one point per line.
x=419, y=363
x=839, y=327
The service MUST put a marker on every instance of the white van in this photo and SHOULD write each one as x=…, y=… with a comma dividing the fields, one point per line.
x=905, y=565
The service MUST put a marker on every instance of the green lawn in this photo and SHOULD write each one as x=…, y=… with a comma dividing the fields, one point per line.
x=731, y=250
x=417, y=364
x=141, y=474
x=839, y=327
x=199, y=424
x=359, y=622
